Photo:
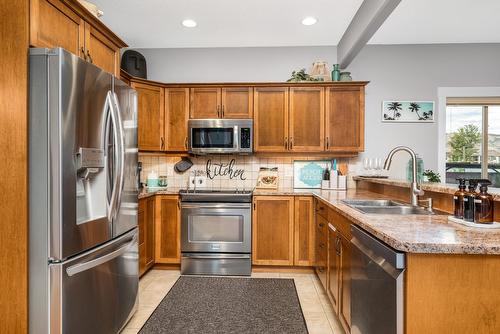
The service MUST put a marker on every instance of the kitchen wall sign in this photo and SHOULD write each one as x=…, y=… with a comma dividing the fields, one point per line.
x=408, y=111
x=309, y=174
x=221, y=169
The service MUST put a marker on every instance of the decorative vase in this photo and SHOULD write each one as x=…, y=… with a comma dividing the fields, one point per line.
x=336, y=73
x=345, y=76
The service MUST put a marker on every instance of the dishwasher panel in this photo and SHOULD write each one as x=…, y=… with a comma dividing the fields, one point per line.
x=377, y=290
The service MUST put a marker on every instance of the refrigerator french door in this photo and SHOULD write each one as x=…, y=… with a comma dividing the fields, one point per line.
x=83, y=272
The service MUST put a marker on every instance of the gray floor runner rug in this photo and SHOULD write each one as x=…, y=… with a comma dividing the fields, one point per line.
x=228, y=305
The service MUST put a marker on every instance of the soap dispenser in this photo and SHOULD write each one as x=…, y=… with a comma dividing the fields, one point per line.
x=483, y=204
x=458, y=198
x=469, y=201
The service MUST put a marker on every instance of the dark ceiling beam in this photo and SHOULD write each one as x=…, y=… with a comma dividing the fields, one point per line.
x=369, y=17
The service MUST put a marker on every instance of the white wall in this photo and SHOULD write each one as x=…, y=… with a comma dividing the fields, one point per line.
x=405, y=72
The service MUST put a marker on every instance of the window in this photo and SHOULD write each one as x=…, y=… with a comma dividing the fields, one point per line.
x=473, y=139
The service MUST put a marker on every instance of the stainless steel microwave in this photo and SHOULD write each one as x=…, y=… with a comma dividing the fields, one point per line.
x=220, y=136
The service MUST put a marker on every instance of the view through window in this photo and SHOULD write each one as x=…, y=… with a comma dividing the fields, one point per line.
x=472, y=129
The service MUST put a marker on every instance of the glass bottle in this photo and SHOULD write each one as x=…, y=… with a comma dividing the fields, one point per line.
x=483, y=204
x=458, y=198
x=469, y=201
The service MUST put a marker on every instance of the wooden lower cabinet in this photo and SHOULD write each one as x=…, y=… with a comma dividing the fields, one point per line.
x=272, y=230
x=333, y=267
x=146, y=222
x=345, y=284
x=321, y=249
x=167, y=229
x=304, y=231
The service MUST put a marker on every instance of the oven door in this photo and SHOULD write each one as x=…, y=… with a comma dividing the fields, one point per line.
x=213, y=138
x=216, y=227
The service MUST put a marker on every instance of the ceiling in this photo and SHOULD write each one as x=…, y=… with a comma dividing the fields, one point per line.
x=227, y=23
x=247, y=23
x=441, y=21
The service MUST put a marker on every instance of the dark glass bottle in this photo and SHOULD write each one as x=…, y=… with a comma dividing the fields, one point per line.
x=469, y=201
x=458, y=198
x=326, y=175
x=483, y=204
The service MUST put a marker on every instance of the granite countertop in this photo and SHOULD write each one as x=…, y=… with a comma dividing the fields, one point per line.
x=445, y=188
x=409, y=233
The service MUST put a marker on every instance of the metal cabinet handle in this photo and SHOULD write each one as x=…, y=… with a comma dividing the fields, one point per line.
x=286, y=143
x=321, y=224
x=327, y=142
x=82, y=50
x=337, y=246
x=218, y=111
x=222, y=112
x=186, y=142
x=162, y=142
x=90, y=57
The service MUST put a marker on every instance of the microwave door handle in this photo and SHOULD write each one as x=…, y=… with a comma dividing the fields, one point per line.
x=236, y=143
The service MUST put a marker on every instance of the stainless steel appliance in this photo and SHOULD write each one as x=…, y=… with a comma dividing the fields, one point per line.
x=216, y=232
x=83, y=261
x=233, y=136
x=377, y=289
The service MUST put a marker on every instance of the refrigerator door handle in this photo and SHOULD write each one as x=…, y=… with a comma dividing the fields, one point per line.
x=78, y=268
x=121, y=151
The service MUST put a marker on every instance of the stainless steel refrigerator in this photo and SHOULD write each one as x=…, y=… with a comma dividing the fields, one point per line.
x=83, y=260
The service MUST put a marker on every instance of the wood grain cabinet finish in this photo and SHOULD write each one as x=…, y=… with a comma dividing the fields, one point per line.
x=345, y=283
x=237, y=102
x=272, y=230
x=146, y=222
x=333, y=267
x=321, y=249
x=150, y=110
x=176, y=117
x=271, y=119
x=307, y=119
x=54, y=24
x=304, y=231
x=66, y=24
x=101, y=51
x=345, y=119
x=168, y=229
x=205, y=102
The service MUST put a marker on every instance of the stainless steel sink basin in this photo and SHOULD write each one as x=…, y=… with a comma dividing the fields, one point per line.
x=388, y=207
x=372, y=202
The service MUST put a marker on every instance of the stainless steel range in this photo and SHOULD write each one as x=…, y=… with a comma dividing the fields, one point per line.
x=216, y=232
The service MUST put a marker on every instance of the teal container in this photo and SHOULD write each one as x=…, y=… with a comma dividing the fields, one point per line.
x=336, y=73
x=420, y=170
x=152, y=182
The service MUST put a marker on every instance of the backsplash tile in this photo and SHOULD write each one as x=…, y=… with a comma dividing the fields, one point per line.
x=164, y=165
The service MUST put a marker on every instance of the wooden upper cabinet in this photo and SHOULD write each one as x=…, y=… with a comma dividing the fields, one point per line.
x=307, y=119
x=205, y=102
x=270, y=119
x=176, y=117
x=304, y=231
x=53, y=24
x=345, y=118
x=168, y=229
x=67, y=24
x=101, y=51
x=272, y=234
x=150, y=109
x=237, y=102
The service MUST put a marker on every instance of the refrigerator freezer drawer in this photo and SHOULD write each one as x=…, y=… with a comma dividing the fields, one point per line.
x=97, y=291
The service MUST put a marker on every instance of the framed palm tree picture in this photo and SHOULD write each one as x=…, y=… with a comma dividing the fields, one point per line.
x=408, y=111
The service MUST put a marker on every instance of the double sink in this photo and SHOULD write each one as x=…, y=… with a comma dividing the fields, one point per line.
x=388, y=207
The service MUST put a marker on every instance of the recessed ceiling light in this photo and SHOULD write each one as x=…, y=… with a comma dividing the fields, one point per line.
x=188, y=23
x=309, y=21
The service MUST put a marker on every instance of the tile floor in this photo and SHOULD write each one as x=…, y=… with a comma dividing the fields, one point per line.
x=317, y=310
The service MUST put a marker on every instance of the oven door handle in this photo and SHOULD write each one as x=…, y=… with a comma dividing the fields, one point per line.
x=217, y=206
x=217, y=256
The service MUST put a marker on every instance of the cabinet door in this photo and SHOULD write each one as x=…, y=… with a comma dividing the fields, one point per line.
x=345, y=284
x=307, y=119
x=333, y=267
x=272, y=234
x=304, y=232
x=150, y=111
x=237, y=102
x=101, y=51
x=205, y=103
x=168, y=230
x=141, y=222
x=271, y=119
x=53, y=24
x=176, y=117
x=150, y=232
x=345, y=118
x=321, y=250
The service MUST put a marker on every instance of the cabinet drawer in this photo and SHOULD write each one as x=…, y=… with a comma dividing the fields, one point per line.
x=322, y=209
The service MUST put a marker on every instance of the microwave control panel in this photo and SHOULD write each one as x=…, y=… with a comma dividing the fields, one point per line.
x=245, y=140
